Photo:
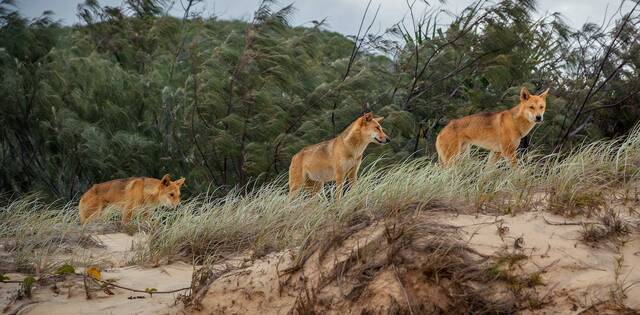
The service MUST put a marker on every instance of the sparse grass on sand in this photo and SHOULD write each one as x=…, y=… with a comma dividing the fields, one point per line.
x=263, y=219
x=33, y=231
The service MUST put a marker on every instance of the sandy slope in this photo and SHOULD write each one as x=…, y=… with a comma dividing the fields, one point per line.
x=579, y=275
x=575, y=275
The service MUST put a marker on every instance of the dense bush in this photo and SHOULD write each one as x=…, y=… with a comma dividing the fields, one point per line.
x=133, y=92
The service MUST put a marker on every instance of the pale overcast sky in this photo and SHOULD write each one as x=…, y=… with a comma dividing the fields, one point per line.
x=342, y=15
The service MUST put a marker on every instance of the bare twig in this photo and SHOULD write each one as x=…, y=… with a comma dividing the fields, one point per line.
x=466, y=28
x=481, y=223
x=566, y=223
x=592, y=89
x=22, y=307
x=404, y=291
x=616, y=104
x=357, y=44
x=112, y=284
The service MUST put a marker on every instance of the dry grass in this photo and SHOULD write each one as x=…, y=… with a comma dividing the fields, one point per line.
x=611, y=227
x=32, y=232
x=263, y=220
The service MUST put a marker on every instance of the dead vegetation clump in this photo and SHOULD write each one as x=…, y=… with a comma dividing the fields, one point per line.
x=408, y=267
x=610, y=227
x=609, y=308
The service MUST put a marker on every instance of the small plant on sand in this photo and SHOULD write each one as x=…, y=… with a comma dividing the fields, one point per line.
x=27, y=286
x=610, y=227
x=504, y=269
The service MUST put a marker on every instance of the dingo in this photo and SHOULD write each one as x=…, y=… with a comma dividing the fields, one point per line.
x=498, y=132
x=335, y=159
x=129, y=194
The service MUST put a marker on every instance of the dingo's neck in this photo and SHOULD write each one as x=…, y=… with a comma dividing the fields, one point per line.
x=522, y=123
x=355, y=144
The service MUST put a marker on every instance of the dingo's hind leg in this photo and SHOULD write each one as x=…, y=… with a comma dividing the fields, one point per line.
x=90, y=207
x=135, y=192
x=296, y=176
x=493, y=157
x=448, y=146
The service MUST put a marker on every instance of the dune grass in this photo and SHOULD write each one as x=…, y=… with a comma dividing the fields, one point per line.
x=33, y=231
x=35, y=235
x=263, y=219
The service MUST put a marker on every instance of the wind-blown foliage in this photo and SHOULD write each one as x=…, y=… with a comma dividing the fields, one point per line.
x=131, y=91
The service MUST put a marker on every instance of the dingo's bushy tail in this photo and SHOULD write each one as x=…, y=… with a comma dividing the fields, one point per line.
x=447, y=145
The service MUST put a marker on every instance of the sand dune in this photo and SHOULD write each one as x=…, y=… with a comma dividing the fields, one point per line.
x=368, y=273
x=574, y=276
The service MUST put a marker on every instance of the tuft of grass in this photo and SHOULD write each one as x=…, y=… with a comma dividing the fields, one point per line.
x=576, y=182
x=503, y=269
x=610, y=227
x=35, y=235
x=33, y=232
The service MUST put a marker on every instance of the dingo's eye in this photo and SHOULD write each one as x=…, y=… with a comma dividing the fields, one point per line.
x=171, y=194
x=378, y=128
x=531, y=107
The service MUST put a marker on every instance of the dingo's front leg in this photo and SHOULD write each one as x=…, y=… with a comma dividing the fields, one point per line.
x=353, y=173
x=339, y=183
x=509, y=153
x=494, y=157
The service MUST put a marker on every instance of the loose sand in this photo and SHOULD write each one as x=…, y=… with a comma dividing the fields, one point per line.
x=115, y=259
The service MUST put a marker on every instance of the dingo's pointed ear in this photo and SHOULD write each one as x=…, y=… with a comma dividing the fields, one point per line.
x=179, y=182
x=166, y=180
x=379, y=119
x=524, y=94
x=366, y=108
x=545, y=93
x=367, y=117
